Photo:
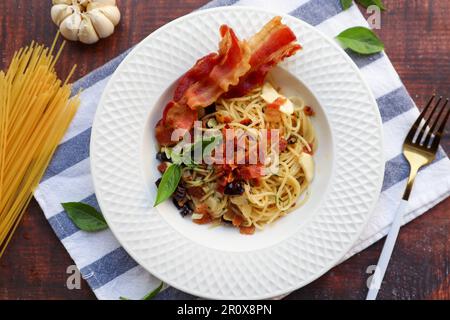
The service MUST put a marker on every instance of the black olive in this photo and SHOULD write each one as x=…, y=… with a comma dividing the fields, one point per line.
x=161, y=156
x=292, y=140
x=186, y=210
x=176, y=203
x=210, y=109
x=180, y=193
x=157, y=182
x=234, y=188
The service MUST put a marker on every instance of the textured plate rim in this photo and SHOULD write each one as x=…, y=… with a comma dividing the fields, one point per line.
x=380, y=166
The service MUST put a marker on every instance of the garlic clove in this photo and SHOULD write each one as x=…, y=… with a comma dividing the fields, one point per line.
x=111, y=12
x=103, y=26
x=103, y=2
x=59, y=12
x=87, y=32
x=70, y=26
x=84, y=3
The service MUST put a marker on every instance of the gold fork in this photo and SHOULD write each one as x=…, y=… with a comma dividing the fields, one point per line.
x=420, y=148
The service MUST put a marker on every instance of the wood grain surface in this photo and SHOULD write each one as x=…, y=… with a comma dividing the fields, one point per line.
x=417, y=39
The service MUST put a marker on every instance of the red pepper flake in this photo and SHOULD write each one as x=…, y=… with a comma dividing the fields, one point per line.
x=309, y=111
x=247, y=230
x=162, y=167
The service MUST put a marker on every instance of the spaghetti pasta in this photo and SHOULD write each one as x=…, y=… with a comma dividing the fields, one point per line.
x=265, y=197
x=36, y=108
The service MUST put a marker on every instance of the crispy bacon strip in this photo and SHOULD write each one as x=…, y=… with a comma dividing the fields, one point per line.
x=235, y=70
x=199, y=71
x=175, y=116
x=234, y=63
x=271, y=45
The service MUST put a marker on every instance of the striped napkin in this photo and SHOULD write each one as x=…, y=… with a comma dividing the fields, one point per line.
x=112, y=273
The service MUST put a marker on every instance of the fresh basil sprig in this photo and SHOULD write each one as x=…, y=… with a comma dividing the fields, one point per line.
x=172, y=175
x=346, y=4
x=150, y=295
x=361, y=40
x=85, y=217
x=368, y=3
x=365, y=3
x=184, y=155
x=168, y=184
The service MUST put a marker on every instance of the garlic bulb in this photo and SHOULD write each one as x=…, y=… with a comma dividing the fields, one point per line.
x=85, y=20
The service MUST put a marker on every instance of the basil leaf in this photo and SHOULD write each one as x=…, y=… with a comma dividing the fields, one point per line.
x=368, y=3
x=85, y=217
x=168, y=184
x=186, y=154
x=154, y=293
x=149, y=296
x=346, y=4
x=361, y=40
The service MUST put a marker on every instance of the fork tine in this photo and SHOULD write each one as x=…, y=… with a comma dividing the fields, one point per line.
x=438, y=135
x=412, y=132
x=434, y=126
x=427, y=122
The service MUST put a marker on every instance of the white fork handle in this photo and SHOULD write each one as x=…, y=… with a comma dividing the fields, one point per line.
x=386, y=253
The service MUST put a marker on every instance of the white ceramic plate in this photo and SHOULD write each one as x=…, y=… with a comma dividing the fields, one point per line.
x=220, y=262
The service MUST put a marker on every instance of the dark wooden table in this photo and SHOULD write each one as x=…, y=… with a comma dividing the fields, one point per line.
x=417, y=40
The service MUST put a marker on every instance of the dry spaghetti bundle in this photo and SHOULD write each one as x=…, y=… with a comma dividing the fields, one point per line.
x=36, y=108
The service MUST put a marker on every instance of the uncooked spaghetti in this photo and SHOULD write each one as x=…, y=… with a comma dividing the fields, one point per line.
x=36, y=109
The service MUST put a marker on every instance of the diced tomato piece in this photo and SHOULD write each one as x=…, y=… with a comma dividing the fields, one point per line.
x=277, y=103
x=196, y=192
x=237, y=220
x=249, y=172
x=247, y=230
x=309, y=111
x=162, y=167
x=246, y=121
x=223, y=119
x=204, y=220
x=202, y=209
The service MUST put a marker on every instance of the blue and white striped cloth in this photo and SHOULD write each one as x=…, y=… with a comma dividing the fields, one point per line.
x=111, y=272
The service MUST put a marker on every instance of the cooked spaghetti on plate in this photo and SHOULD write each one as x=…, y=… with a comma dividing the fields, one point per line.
x=233, y=148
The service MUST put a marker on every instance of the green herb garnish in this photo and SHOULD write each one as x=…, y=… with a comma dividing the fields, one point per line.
x=150, y=295
x=168, y=184
x=361, y=40
x=365, y=3
x=85, y=217
x=346, y=4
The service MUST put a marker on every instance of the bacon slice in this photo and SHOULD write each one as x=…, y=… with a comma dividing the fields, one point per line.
x=234, y=58
x=175, y=116
x=235, y=70
x=199, y=71
x=271, y=45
